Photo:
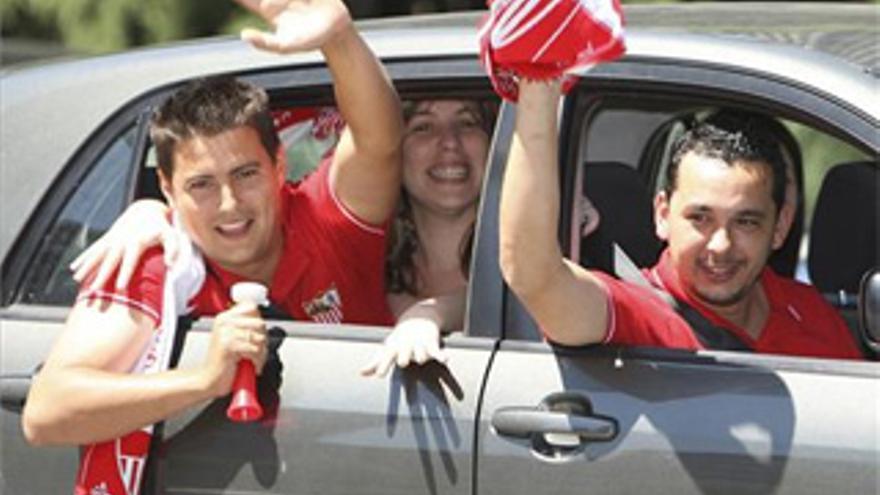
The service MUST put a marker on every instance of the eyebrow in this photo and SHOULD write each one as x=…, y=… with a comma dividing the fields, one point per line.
x=748, y=212
x=470, y=112
x=189, y=180
x=252, y=163
x=697, y=207
x=751, y=213
x=466, y=109
x=239, y=168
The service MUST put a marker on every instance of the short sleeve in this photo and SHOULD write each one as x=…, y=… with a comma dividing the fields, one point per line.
x=638, y=316
x=328, y=209
x=354, y=243
x=144, y=291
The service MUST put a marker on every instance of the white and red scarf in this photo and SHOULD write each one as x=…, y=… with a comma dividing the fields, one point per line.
x=116, y=467
x=548, y=39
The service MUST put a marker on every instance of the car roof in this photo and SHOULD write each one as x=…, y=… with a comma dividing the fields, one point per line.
x=74, y=97
x=846, y=31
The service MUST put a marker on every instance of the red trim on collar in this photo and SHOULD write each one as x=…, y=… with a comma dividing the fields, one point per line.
x=665, y=273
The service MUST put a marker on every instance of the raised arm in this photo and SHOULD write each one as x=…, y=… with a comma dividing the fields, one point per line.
x=568, y=303
x=366, y=165
x=366, y=171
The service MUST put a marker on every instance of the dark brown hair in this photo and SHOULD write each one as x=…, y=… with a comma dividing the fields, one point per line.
x=733, y=137
x=207, y=107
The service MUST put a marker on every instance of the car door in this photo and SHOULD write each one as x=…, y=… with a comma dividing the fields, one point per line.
x=639, y=420
x=327, y=429
x=677, y=423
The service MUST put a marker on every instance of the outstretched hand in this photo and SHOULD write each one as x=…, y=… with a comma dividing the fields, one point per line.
x=300, y=25
x=143, y=225
x=412, y=340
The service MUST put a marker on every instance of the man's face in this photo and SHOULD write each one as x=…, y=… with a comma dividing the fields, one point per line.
x=721, y=225
x=226, y=190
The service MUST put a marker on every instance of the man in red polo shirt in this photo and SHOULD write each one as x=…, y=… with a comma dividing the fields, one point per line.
x=722, y=213
x=317, y=245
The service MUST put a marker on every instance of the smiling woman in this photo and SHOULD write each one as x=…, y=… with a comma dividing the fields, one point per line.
x=444, y=158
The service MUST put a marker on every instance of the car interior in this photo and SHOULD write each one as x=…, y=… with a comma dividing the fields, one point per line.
x=615, y=187
x=843, y=242
x=841, y=239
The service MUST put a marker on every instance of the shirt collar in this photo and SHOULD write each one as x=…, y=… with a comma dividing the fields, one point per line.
x=291, y=267
x=665, y=273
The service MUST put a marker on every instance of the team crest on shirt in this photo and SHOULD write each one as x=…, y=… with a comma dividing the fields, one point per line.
x=326, y=307
x=99, y=490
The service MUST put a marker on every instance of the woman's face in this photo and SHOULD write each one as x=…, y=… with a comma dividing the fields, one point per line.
x=444, y=155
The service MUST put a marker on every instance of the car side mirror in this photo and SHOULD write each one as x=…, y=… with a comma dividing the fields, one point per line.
x=869, y=310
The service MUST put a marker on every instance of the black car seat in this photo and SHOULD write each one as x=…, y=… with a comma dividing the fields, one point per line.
x=626, y=208
x=843, y=237
x=148, y=184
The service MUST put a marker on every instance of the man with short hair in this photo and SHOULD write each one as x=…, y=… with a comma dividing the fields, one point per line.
x=722, y=213
x=317, y=245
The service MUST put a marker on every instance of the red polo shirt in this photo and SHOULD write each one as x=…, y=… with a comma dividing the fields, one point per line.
x=800, y=322
x=331, y=270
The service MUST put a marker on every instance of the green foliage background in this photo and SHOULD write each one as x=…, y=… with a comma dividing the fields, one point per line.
x=100, y=26
x=96, y=26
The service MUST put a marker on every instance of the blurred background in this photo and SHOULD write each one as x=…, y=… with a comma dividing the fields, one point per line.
x=34, y=29
x=50, y=28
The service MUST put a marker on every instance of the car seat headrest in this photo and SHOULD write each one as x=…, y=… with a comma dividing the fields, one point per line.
x=625, y=205
x=843, y=237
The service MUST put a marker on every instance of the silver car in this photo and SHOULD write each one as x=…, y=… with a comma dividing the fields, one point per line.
x=508, y=413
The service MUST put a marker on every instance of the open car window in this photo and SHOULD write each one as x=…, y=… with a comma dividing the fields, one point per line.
x=625, y=148
x=87, y=214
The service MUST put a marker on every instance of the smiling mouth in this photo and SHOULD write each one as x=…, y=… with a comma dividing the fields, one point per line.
x=719, y=273
x=234, y=229
x=449, y=172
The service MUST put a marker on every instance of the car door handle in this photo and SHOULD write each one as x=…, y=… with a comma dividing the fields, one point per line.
x=523, y=422
x=13, y=391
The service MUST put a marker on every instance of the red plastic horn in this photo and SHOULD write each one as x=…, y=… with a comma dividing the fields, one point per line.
x=244, y=405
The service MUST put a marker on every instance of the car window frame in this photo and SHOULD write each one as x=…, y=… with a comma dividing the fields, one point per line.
x=23, y=252
x=420, y=78
x=701, y=82
x=414, y=77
